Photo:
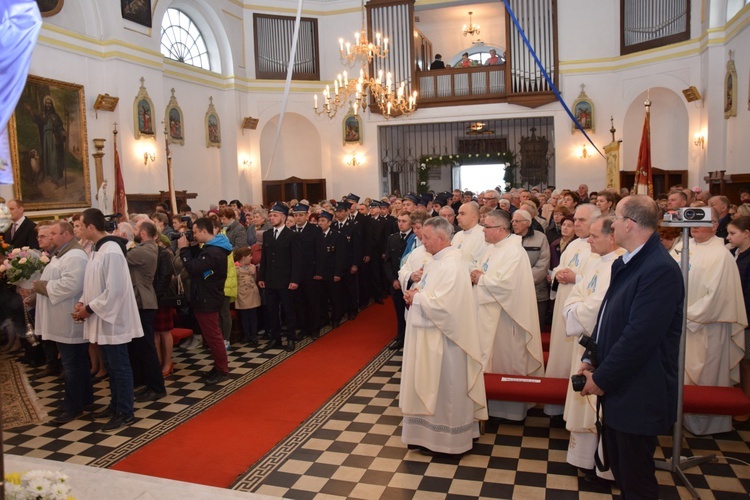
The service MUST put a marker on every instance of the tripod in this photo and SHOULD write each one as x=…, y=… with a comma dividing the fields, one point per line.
x=677, y=464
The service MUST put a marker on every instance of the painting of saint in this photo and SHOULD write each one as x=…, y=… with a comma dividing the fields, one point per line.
x=48, y=145
x=144, y=118
x=138, y=11
x=352, y=129
x=584, y=115
x=175, y=125
x=213, y=129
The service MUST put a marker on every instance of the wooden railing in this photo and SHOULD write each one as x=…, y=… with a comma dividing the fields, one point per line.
x=455, y=86
x=473, y=85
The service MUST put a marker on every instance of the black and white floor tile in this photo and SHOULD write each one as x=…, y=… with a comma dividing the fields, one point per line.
x=351, y=447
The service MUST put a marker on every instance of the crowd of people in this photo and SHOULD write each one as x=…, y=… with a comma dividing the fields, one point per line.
x=474, y=280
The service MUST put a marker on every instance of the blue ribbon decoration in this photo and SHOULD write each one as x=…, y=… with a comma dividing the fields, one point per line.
x=546, y=76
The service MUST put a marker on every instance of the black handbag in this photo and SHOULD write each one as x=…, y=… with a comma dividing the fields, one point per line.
x=176, y=296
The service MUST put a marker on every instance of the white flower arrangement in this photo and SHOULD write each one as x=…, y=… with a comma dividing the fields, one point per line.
x=37, y=485
x=22, y=263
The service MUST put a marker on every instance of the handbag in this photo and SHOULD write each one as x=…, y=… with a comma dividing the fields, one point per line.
x=176, y=296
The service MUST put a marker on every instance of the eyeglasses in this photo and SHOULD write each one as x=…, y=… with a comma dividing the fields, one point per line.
x=618, y=217
x=493, y=227
x=518, y=221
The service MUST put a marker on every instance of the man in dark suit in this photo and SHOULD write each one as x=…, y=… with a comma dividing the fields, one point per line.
x=352, y=236
x=438, y=62
x=334, y=270
x=372, y=269
x=22, y=232
x=307, y=297
x=638, y=337
x=279, y=274
x=394, y=249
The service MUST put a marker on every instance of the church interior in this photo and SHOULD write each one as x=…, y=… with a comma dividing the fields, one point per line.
x=203, y=94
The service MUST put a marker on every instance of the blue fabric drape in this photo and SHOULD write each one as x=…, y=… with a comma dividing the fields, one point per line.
x=20, y=23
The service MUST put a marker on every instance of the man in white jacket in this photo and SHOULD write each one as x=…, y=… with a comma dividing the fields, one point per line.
x=57, y=292
x=110, y=315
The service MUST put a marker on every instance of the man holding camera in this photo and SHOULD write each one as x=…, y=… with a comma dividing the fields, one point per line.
x=207, y=266
x=638, y=336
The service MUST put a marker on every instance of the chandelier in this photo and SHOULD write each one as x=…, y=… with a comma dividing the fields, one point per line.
x=356, y=93
x=362, y=51
x=472, y=29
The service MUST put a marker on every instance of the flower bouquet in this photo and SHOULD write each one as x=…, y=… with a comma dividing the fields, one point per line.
x=37, y=485
x=23, y=266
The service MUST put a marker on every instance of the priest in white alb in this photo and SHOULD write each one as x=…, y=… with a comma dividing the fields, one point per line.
x=470, y=240
x=563, y=278
x=716, y=319
x=442, y=383
x=581, y=310
x=506, y=308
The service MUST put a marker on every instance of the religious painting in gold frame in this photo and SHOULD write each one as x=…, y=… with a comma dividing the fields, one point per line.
x=49, y=153
x=351, y=128
x=730, y=88
x=174, y=122
x=213, y=126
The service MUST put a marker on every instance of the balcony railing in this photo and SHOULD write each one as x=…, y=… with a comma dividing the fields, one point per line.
x=473, y=85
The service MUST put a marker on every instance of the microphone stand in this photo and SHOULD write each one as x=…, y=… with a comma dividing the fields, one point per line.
x=678, y=463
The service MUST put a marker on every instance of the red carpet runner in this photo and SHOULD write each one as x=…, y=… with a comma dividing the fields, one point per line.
x=225, y=440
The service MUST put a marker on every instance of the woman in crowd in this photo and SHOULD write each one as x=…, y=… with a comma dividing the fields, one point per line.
x=553, y=230
x=606, y=202
x=164, y=319
x=567, y=234
x=260, y=221
x=739, y=238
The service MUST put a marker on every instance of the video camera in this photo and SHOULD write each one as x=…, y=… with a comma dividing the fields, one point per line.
x=110, y=222
x=188, y=233
x=579, y=381
x=688, y=217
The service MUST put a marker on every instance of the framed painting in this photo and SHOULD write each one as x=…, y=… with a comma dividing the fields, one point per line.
x=352, y=128
x=730, y=88
x=138, y=11
x=49, y=8
x=213, y=126
x=173, y=118
x=143, y=113
x=583, y=110
x=48, y=146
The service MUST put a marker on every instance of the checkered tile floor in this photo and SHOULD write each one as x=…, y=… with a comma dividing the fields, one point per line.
x=351, y=447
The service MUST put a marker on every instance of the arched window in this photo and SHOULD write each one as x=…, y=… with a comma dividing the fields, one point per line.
x=181, y=40
x=734, y=6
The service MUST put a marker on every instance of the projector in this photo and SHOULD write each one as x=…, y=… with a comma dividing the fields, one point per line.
x=688, y=217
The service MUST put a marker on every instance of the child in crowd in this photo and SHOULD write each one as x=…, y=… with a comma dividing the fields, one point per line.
x=248, y=296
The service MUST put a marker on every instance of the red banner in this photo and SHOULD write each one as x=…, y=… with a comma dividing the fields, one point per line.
x=644, y=183
x=120, y=205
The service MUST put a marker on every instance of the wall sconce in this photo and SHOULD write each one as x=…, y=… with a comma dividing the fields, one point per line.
x=584, y=154
x=148, y=157
x=700, y=141
x=352, y=161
